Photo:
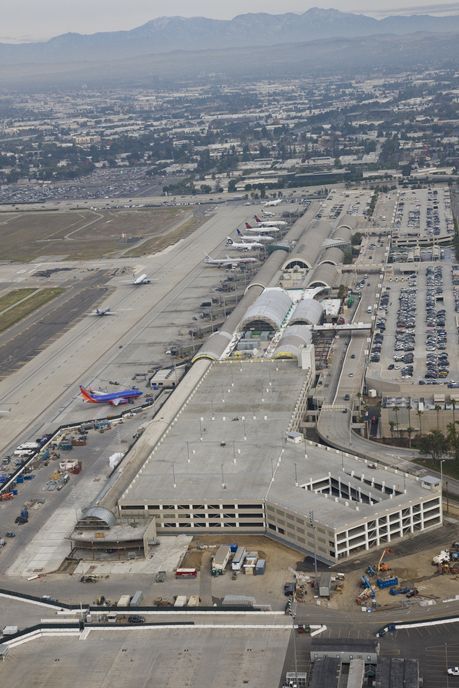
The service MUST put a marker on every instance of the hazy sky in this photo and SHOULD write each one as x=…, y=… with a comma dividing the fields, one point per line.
x=40, y=19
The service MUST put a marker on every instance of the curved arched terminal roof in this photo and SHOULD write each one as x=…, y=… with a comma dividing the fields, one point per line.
x=299, y=259
x=323, y=276
x=309, y=247
x=307, y=312
x=332, y=256
x=214, y=347
x=97, y=516
x=295, y=337
x=343, y=232
x=269, y=309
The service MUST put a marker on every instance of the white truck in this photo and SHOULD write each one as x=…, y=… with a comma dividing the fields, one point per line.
x=220, y=560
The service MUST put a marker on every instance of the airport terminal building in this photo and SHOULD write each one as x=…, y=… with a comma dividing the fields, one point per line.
x=232, y=459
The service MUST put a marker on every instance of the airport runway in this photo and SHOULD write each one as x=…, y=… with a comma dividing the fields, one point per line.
x=36, y=395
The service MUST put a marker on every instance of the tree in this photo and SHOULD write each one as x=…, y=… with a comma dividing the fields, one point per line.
x=452, y=436
x=392, y=426
x=419, y=414
x=434, y=445
x=438, y=409
x=410, y=431
x=342, y=291
x=396, y=410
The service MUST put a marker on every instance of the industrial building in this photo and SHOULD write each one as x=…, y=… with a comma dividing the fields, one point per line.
x=345, y=651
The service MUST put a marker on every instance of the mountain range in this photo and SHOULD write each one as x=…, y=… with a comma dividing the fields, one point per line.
x=169, y=34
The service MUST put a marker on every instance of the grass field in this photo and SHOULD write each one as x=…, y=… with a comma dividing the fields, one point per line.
x=13, y=297
x=14, y=315
x=159, y=243
x=81, y=235
x=450, y=467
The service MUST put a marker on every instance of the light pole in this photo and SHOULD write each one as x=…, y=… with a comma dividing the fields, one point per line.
x=441, y=480
x=446, y=662
x=311, y=523
x=223, y=476
x=294, y=645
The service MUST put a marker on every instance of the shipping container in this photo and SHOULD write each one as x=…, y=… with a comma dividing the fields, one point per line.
x=124, y=601
x=260, y=567
x=194, y=601
x=388, y=583
x=186, y=573
x=180, y=601
x=238, y=559
x=136, y=599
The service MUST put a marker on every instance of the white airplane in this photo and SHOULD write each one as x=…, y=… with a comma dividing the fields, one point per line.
x=256, y=237
x=270, y=223
x=242, y=246
x=228, y=262
x=100, y=312
x=261, y=230
x=267, y=213
x=272, y=204
x=142, y=279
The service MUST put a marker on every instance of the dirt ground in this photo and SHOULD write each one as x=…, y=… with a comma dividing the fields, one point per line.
x=414, y=571
x=277, y=556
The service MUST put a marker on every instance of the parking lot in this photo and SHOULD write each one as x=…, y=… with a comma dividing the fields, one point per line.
x=436, y=648
x=415, y=338
x=339, y=204
x=424, y=213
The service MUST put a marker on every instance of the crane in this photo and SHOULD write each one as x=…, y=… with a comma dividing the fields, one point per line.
x=381, y=566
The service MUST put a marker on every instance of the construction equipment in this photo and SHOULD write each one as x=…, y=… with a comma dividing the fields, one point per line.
x=365, y=582
x=386, y=583
x=381, y=566
x=399, y=591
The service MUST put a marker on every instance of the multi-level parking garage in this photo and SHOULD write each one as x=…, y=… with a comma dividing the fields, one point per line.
x=225, y=463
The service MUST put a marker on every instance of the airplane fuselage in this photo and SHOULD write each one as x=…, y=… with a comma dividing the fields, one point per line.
x=114, y=398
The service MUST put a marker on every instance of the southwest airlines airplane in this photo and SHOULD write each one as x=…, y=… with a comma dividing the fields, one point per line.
x=113, y=398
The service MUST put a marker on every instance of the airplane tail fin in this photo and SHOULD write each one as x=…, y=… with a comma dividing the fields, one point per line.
x=239, y=233
x=229, y=241
x=257, y=218
x=248, y=226
x=87, y=396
